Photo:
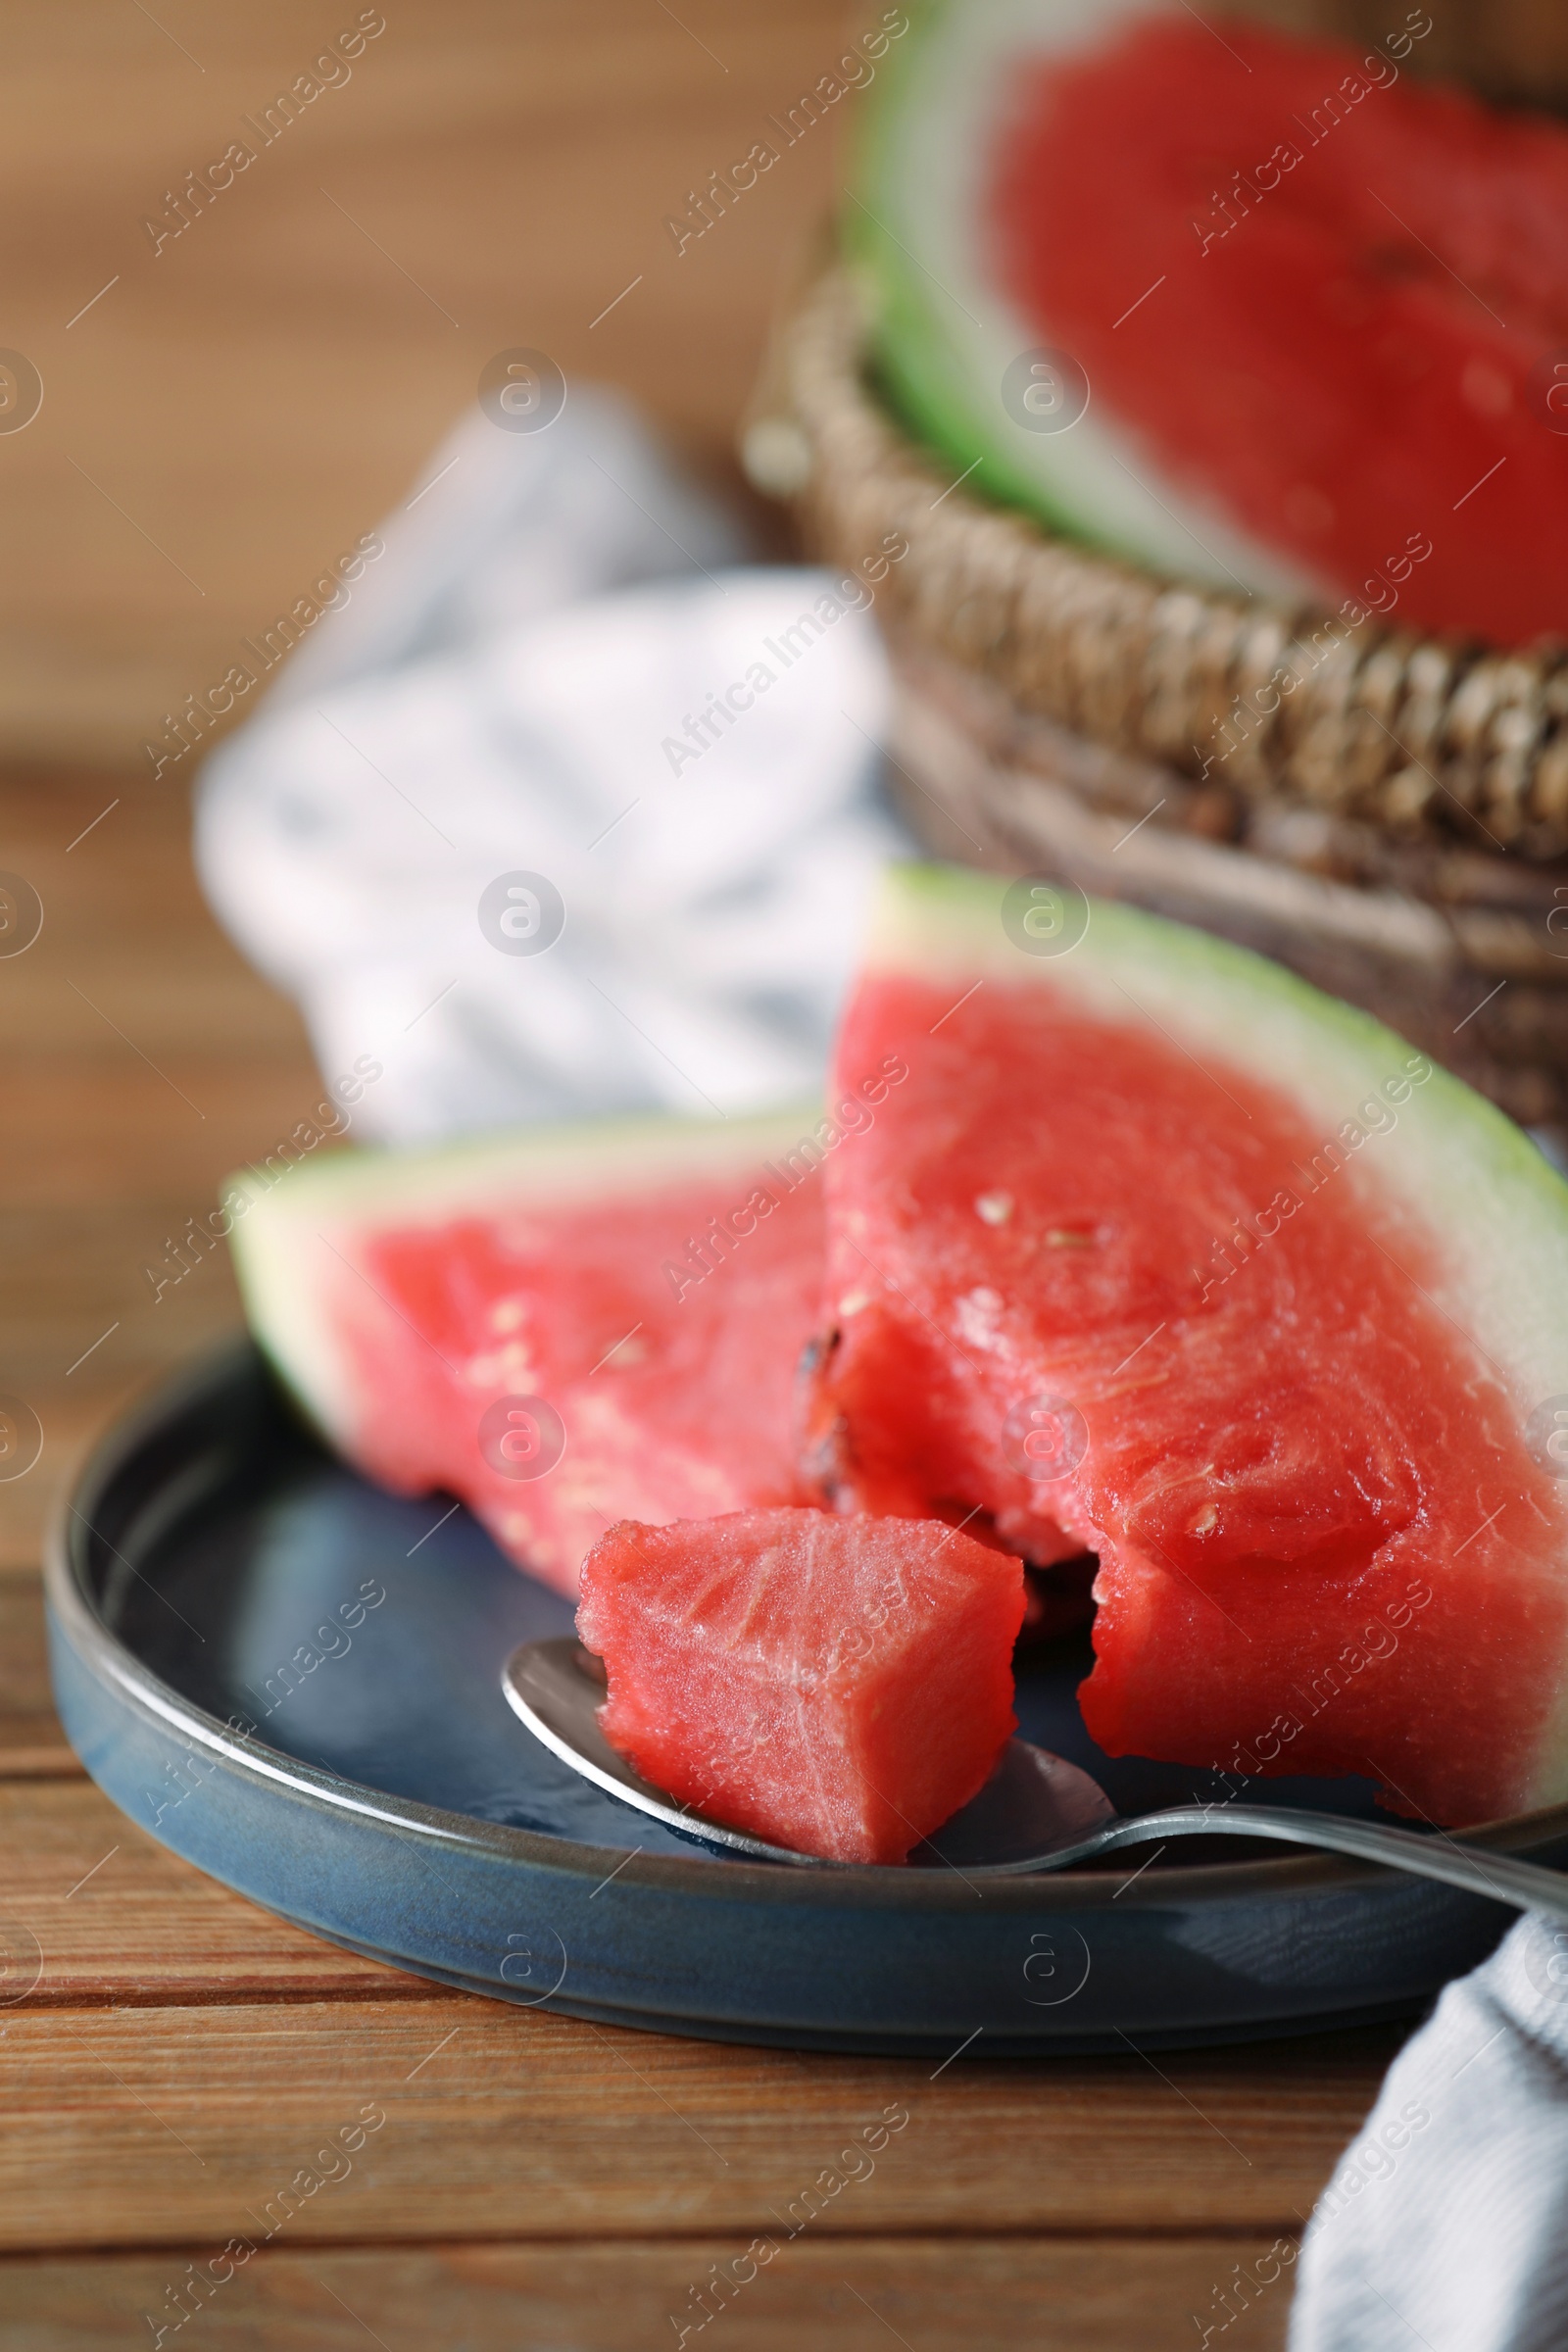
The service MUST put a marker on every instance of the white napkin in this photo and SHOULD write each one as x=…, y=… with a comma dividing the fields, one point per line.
x=689, y=763
x=1445, y=2224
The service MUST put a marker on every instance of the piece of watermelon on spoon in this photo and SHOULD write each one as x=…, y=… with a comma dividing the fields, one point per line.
x=837, y=1686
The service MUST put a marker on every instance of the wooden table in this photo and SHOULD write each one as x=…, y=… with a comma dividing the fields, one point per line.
x=538, y=2181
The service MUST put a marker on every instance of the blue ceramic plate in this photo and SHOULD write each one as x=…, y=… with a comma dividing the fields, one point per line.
x=294, y=1681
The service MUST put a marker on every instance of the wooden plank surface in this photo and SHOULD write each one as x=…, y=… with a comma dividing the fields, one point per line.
x=32, y=1741
x=239, y=405
x=142, y=1061
x=153, y=2125
x=985, y=2294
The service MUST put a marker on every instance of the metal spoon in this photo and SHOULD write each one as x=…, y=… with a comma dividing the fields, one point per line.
x=1035, y=1813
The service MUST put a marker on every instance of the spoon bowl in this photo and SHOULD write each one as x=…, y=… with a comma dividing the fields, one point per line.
x=557, y=1688
x=1035, y=1813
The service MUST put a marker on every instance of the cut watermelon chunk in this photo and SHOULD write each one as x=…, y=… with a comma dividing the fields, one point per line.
x=1319, y=306
x=564, y=1328
x=837, y=1686
x=1159, y=1246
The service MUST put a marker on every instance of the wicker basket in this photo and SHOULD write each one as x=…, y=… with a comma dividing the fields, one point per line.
x=1396, y=829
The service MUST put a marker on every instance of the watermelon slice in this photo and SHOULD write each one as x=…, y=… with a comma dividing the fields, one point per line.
x=1160, y=1248
x=564, y=1328
x=837, y=1686
x=1316, y=308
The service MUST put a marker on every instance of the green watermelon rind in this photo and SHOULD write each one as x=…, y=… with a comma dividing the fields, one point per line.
x=1453, y=1163
x=271, y=1223
x=932, y=367
x=929, y=388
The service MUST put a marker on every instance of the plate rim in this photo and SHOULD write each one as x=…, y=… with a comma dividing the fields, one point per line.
x=852, y=1886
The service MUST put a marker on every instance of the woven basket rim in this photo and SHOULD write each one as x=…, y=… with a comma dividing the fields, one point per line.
x=1424, y=735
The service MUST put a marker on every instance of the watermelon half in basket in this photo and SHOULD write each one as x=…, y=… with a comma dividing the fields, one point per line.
x=1263, y=311
x=1160, y=1247
x=564, y=1328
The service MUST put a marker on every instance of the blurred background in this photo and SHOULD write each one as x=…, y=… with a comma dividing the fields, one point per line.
x=241, y=405
x=222, y=417
x=237, y=407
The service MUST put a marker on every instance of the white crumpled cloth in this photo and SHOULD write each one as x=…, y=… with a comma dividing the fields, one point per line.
x=509, y=691
x=497, y=698
x=1445, y=2224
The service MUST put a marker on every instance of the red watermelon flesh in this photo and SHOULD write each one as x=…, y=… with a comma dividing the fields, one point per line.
x=406, y=1297
x=1349, y=352
x=1159, y=1246
x=837, y=1686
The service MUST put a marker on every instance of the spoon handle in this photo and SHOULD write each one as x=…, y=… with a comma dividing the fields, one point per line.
x=1498, y=1876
